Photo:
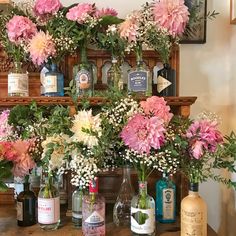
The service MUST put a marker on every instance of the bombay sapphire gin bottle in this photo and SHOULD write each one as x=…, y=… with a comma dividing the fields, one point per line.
x=165, y=200
x=93, y=212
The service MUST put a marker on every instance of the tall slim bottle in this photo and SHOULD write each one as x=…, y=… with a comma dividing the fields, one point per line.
x=77, y=198
x=93, y=212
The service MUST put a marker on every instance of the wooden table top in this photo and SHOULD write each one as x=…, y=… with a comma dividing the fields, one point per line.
x=8, y=227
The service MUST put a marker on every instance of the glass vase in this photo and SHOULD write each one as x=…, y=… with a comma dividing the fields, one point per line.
x=114, y=78
x=193, y=213
x=122, y=207
x=166, y=81
x=77, y=198
x=143, y=212
x=18, y=84
x=49, y=203
x=165, y=200
x=53, y=82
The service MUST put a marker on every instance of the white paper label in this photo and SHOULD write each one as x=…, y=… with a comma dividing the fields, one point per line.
x=17, y=83
x=50, y=84
x=19, y=209
x=48, y=210
x=168, y=203
x=95, y=220
x=77, y=215
x=147, y=227
x=162, y=83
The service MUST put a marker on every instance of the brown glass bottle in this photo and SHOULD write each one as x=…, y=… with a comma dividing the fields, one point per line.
x=26, y=207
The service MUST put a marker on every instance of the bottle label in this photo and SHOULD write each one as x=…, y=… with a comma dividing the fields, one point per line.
x=138, y=81
x=18, y=83
x=94, y=220
x=48, y=210
x=83, y=79
x=168, y=203
x=50, y=84
x=77, y=215
x=193, y=223
x=162, y=83
x=147, y=217
x=19, y=209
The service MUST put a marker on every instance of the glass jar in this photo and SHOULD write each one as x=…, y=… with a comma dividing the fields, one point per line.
x=143, y=212
x=49, y=203
x=77, y=198
x=53, y=82
x=18, y=84
x=122, y=207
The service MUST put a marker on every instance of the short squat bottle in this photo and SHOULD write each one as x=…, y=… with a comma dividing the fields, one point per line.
x=77, y=198
x=53, y=83
x=165, y=200
x=26, y=207
x=49, y=204
x=143, y=213
x=18, y=84
x=93, y=212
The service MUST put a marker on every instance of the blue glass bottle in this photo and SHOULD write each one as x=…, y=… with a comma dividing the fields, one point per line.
x=53, y=82
x=165, y=200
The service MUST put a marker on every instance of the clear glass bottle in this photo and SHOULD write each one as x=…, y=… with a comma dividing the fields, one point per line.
x=143, y=213
x=53, y=82
x=139, y=78
x=49, y=203
x=122, y=207
x=193, y=213
x=26, y=207
x=93, y=212
x=18, y=81
x=114, y=78
x=165, y=200
x=77, y=198
x=166, y=81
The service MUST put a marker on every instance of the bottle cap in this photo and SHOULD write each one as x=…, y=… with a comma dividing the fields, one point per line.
x=93, y=185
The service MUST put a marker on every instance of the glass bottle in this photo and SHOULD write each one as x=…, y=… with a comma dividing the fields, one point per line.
x=53, y=82
x=139, y=78
x=122, y=207
x=26, y=207
x=48, y=203
x=93, y=212
x=193, y=213
x=166, y=81
x=165, y=200
x=114, y=78
x=143, y=212
x=18, y=84
x=77, y=197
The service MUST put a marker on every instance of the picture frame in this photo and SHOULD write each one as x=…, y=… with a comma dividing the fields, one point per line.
x=233, y=12
x=195, y=32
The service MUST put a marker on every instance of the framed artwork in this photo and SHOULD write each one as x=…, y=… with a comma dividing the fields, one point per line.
x=232, y=11
x=195, y=32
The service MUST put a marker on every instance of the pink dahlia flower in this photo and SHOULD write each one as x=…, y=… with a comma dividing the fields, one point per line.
x=5, y=128
x=142, y=133
x=7, y=152
x=41, y=47
x=106, y=12
x=204, y=136
x=172, y=15
x=44, y=7
x=20, y=28
x=80, y=12
x=129, y=28
x=156, y=106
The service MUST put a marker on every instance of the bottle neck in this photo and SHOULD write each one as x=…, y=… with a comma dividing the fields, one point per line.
x=53, y=67
x=193, y=188
x=93, y=186
x=126, y=174
x=26, y=187
x=143, y=187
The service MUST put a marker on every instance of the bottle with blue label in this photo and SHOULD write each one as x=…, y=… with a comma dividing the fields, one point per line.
x=139, y=78
x=53, y=83
x=165, y=200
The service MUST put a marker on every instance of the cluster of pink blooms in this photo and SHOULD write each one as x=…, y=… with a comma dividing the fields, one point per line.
x=17, y=152
x=146, y=130
x=20, y=29
x=5, y=128
x=105, y=12
x=171, y=15
x=204, y=137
